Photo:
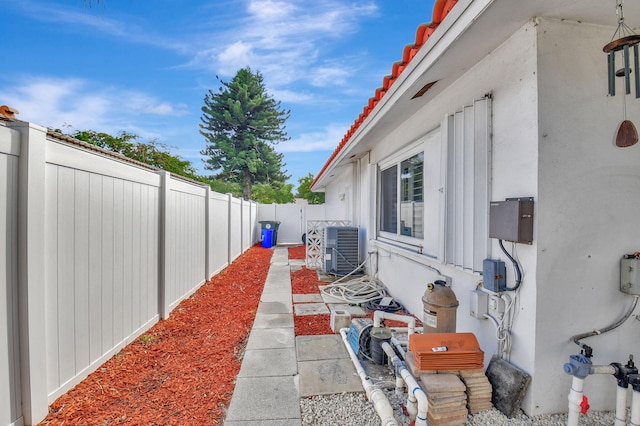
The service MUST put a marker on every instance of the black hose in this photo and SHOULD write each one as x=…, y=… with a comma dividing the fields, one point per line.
x=516, y=267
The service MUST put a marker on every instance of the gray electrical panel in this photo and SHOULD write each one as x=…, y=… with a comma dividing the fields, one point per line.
x=630, y=275
x=512, y=220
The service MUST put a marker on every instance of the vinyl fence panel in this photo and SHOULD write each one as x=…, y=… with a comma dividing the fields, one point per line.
x=10, y=392
x=101, y=264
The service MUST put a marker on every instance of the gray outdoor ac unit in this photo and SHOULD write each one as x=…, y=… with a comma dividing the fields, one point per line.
x=341, y=249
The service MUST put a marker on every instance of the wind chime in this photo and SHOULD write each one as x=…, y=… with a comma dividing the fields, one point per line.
x=624, y=40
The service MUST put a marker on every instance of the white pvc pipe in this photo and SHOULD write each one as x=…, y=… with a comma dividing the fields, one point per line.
x=575, y=399
x=398, y=346
x=378, y=316
x=415, y=393
x=621, y=407
x=377, y=397
x=405, y=329
x=635, y=408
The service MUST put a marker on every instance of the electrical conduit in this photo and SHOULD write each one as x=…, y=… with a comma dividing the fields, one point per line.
x=375, y=395
x=416, y=395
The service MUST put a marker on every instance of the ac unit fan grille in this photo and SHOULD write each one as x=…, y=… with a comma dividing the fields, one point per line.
x=341, y=249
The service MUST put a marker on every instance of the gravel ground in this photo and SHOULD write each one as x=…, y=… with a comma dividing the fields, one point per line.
x=353, y=409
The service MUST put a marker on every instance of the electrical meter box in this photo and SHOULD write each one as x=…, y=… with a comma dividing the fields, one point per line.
x=494, y=275
x=630, y=275
x=512, y=220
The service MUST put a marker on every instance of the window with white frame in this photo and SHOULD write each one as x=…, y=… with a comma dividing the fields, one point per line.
x=435, y=194
x=402, y=197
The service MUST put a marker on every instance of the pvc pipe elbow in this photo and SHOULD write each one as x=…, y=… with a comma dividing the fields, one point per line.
x=378, y=316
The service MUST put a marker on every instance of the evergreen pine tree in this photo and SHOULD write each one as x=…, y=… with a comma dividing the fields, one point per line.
x=242, y=123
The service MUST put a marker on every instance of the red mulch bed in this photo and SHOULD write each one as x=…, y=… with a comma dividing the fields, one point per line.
x=305, y=281
x=297, y=252
x=182, y=371
x=312, y=325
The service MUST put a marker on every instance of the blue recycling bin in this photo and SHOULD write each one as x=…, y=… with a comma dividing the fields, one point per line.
x=267, y=238
x=273, y=226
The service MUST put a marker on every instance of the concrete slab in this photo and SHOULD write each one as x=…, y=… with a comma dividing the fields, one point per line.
x=327, y=377
x=307, y=298
x=354, y=311
x=278, y=273
x=256, y=399
x=297, y=263
x=310, y=309
x=275, y=307
x=315, y=348
x=277, y=287
x=271, y=338
x=273, y=321
x=269, y=363
x=280, y=255
x=276, y=297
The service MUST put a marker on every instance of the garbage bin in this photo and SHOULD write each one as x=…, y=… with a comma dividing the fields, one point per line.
x=267, y=238
x=273, y=226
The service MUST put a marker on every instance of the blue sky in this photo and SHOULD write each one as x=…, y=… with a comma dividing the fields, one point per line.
x=145, y=66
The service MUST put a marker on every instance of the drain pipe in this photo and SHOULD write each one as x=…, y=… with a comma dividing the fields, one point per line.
x=378, y=316
x=416, y=396
x=375, y=395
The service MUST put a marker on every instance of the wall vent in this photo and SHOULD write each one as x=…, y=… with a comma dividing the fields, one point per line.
x=341, y=249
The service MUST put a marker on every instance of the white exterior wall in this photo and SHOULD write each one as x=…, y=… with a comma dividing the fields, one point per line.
x=587, y=209
x=552, y=140
x=510, y=75
x=10, y=398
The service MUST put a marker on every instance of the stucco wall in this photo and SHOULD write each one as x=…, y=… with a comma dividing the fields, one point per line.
x=589, y=199
x=509, y=74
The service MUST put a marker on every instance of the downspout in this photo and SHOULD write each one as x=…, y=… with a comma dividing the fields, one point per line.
x=416, y=395
x=375, y=395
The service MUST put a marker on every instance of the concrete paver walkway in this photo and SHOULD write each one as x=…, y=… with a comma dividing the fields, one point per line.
x=278, y=367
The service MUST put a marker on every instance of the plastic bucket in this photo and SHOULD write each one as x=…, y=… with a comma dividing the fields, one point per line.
x=267, y=238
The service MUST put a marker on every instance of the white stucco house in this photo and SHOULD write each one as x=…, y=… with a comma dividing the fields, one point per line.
x=501, y=99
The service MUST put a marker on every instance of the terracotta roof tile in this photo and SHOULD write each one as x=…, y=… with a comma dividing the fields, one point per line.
x=440, y=10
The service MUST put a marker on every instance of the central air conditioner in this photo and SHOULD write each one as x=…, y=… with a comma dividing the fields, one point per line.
x=341, y=249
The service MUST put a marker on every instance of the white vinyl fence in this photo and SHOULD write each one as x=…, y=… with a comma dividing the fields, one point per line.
x=94, y=250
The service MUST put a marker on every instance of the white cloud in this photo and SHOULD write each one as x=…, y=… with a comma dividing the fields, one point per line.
x=233, y=57
x=81, y=104
x=326, y=139
x=286, y=41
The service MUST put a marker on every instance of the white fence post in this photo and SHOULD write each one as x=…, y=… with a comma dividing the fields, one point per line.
x=229, y=233
x=164, y=301
x=207, y=239
x=31, y=277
